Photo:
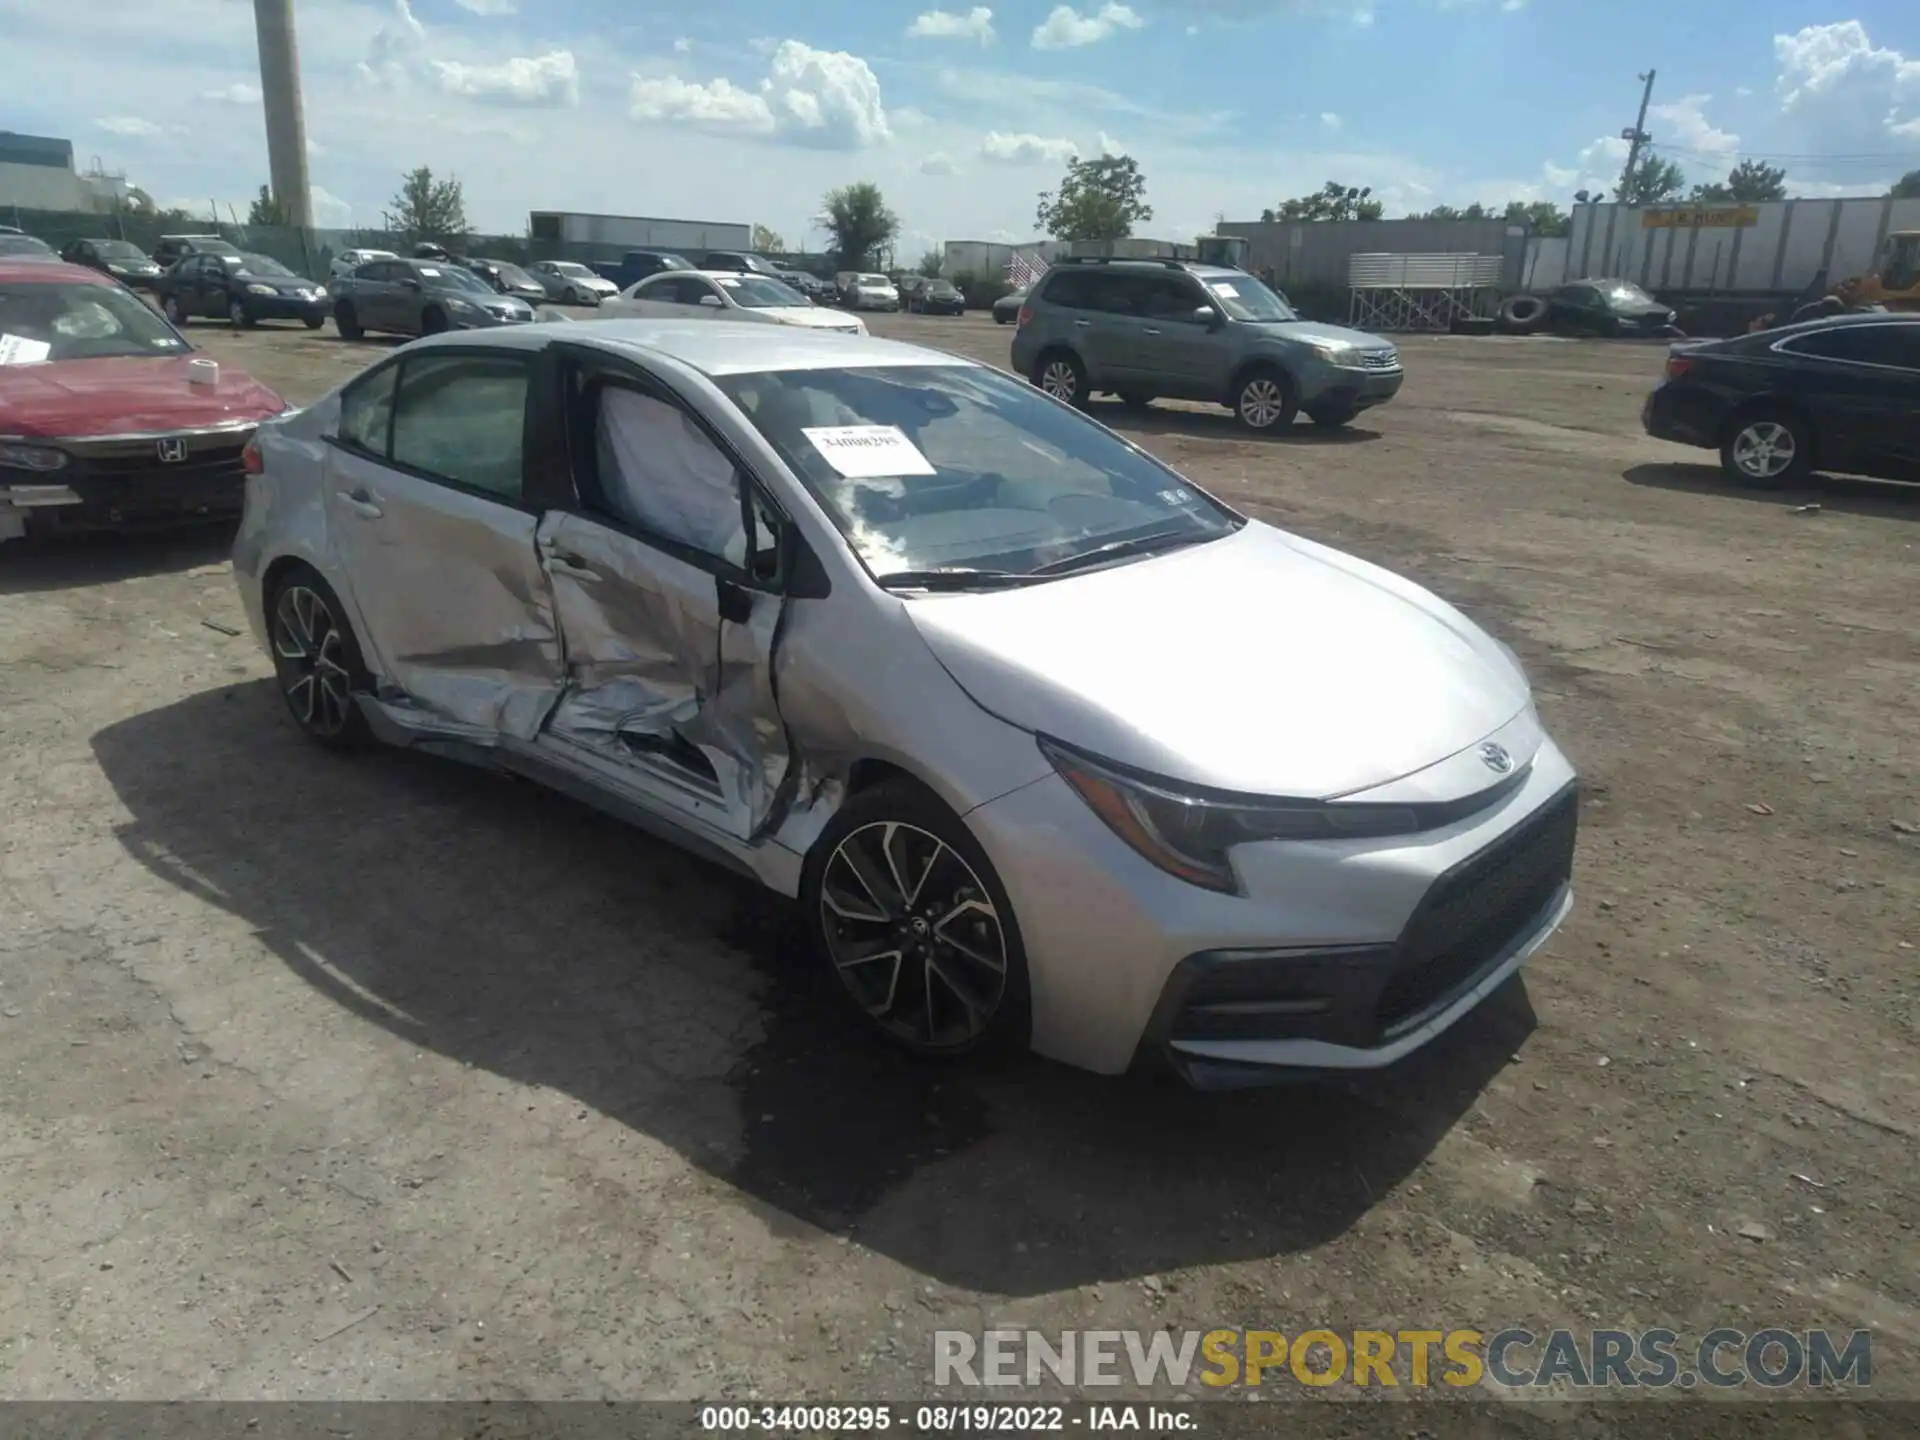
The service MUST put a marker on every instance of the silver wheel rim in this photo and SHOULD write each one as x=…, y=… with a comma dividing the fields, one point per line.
x=913, y=934
x=237, y=313
x=309, y=651
x=1262, y=403
x=1058, y=380
x=172, y=309
x=1764, y=449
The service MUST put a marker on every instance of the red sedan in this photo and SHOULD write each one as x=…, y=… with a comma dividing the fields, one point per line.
x=108, y=418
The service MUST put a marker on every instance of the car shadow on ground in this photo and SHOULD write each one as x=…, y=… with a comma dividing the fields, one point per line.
x=516, y=931
x=1219, y=425
x=1846, y=494
x=71, y=562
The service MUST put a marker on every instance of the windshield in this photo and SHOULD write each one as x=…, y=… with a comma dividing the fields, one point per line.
x=214, y=247
x=120, y=250
x=442, y=278
x=1623, y=292
x=871, y=280
x=23, y=245
x=513, y=274
x=755, y=293
x=1245, y=298
x=569, y=267
x=83, y=322
x=941, y=287
x=929, y=468
x=264, y=265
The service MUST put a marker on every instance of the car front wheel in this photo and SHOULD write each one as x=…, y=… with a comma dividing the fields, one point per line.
x=238, y=316
x=170, y=307
x=1264, y=401
x=905, y=909
x=316, y=660
x=1061, y=375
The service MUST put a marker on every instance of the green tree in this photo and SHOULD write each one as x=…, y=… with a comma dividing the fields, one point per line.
x=1907, y=187
x=768, y=242
x=860, y=223
x=1653, y=181
x=267, y=210
x=1749, y=183
x=1332, y=201
x=425, y=206
x=1543, y=216
x=931, y=262
x=1098, y=199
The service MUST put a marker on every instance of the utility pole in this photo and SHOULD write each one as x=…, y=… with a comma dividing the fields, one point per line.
x=286, y=118
x=1637, y=136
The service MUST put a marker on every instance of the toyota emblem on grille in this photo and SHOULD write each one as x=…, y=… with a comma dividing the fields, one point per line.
x=1496, y=757
x=172, y=451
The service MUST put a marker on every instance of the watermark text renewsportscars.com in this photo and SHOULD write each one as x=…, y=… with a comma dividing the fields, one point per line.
x=1771, y=1358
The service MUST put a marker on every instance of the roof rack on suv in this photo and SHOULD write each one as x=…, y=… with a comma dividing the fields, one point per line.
x=1160, y=260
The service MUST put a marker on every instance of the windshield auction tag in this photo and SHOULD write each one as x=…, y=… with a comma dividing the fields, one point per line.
x=20, y=350
x=1224, y=290
x=868, y=452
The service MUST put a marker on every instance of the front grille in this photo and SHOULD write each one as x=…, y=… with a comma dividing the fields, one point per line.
x=1474, y=913
x=213, y=462
x=1388, y=359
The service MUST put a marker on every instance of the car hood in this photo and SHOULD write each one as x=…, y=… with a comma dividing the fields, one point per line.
x=1261, y=663
x=1314, y=333
x=810, y=316
x=130, y=395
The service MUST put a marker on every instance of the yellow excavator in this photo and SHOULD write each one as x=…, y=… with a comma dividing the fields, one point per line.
x=1892, y=284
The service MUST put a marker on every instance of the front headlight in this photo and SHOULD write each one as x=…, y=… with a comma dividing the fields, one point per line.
x=463, y=307
x=261, y=290
x=1189, y=834
x=41, y=458
x=1334, y=354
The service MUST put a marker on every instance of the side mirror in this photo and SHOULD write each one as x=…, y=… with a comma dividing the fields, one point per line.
x=713, y=302
x=1206, y=315
x=409, y=283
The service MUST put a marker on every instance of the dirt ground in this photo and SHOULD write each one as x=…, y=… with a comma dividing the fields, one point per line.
x=384, y=1078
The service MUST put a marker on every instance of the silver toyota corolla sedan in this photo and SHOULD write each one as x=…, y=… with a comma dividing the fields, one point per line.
x=1051, y=746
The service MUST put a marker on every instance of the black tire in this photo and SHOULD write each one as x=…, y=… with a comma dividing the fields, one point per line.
x=1061, y=375
x=1000, y=319
x=1332, y=419
x=316, y=659
x=347, y=321
x=1134, y=400
x=844, y=918
x=1264, y=401
x=176, y=317
x=572, y=297
x=1758, y=439
x=314, y=322
x=433, y=320
x=238, y=316
x=1523, y=314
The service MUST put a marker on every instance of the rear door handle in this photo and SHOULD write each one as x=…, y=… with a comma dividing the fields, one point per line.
x=1150, y=331
x=1083, y=324
x=361, y=503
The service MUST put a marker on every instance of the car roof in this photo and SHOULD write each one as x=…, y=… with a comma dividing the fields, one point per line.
x=1840, y=322
x=49, y=271
x=713, y=347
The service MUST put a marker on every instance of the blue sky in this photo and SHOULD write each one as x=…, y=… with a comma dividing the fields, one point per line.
x=750, y=110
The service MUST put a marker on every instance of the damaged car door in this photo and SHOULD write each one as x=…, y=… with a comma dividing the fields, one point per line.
x=428, y=507
x=667, y=617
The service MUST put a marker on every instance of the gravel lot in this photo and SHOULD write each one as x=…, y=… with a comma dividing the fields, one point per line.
x=385, y=1078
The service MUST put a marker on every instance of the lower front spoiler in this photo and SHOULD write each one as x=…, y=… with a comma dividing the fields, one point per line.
x=1250, y=1064
x=95, y=505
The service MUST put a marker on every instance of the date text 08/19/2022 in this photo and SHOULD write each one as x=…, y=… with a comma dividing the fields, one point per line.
x=945, y=1419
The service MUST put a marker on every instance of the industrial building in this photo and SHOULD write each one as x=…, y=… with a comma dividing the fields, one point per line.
x=37, y=173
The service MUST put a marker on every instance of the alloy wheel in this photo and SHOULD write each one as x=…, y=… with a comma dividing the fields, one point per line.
x=237, y=314
x=309, y=651
x=1262, y=402
x=1764, y=450
x=913, y=934
x=1058, y=380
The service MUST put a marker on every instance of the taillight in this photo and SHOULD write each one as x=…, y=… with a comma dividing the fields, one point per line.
x=250, y=458
x=1026, y=315
x=1677, y=365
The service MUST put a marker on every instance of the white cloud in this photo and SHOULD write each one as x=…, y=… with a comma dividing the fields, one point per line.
x=683, y=46
x=1107, y=145
x=976, y=24
x=487, y=7
x=1742, y=91
x=1064, y=28
x=823, y=98
x=1686, y=127
x=238, y=93
x=129, y=126
x=1330, y=120
x=397, y=42
x=1027, y=149
x=550, y=79
x=1845, y=94
x=330, y=212
x=939, y=163
x=1512, y=5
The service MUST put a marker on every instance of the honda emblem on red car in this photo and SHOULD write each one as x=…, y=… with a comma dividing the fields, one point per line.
x=171, y=450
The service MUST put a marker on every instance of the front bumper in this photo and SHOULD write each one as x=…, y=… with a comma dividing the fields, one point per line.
x=1352, y=389
x=285, y=307
x=123, y=485
x=1341, y=956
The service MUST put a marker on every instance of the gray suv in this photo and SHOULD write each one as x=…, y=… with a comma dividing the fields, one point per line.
x=1147, y=329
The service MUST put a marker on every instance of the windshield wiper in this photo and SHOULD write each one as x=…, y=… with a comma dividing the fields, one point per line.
x=1114, y=549
x=950, y=577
